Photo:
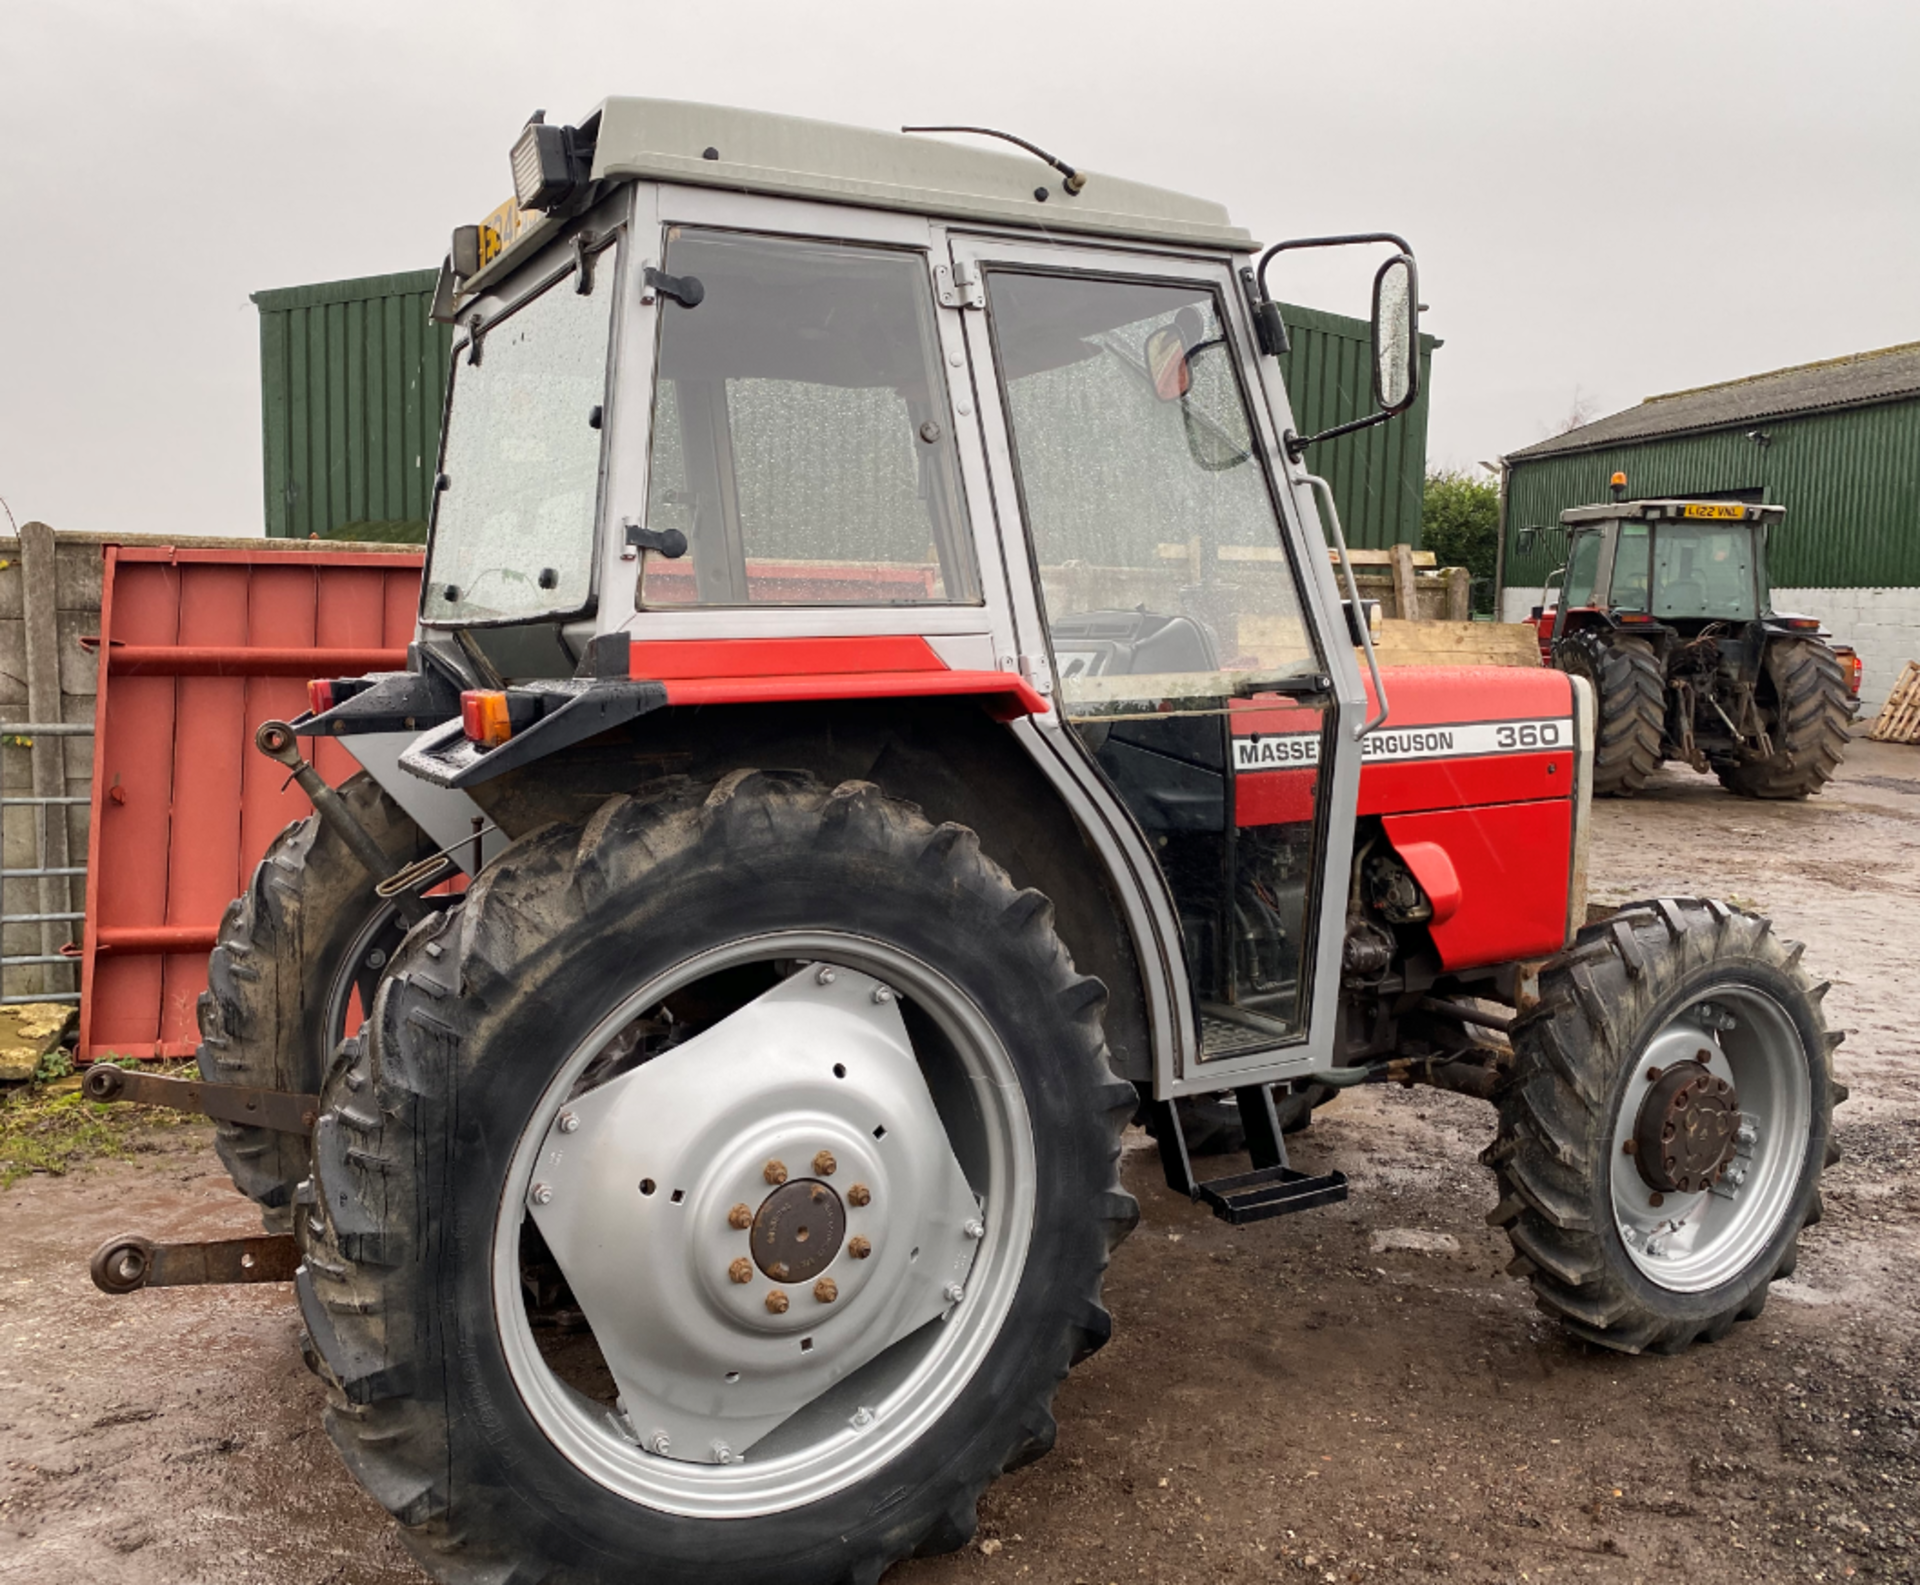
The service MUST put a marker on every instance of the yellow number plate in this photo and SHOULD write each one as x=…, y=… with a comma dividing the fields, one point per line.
x=1733, y=511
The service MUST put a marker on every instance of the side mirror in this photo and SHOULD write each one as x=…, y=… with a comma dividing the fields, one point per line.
x=1167, y=364
x=1396, y=334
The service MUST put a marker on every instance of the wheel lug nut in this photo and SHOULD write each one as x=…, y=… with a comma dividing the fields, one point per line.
x=542, y=1194
x=859, y=1194
x=569, y=1122
x=776, y=1303
x=722, y=1454
x=823, y=1164
x=881, y=995
x=975, y=1229
x=775, y=1172
x=661, y=1443
x=954, y=1293
x=826, y=1290
x=741, y=1216
x=826, y=976
x=859, y=1248
x=741, y=1270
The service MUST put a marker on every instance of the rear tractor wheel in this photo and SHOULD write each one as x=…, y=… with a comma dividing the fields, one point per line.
x=295, y=964
x=1630, y=707
x=1662, y=1141
x=1810, y=709
x=804, y=1107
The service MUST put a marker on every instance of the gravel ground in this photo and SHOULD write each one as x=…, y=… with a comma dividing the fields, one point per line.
x=1316, y=1398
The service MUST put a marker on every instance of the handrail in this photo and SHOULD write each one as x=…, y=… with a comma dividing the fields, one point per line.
x=1353, y=594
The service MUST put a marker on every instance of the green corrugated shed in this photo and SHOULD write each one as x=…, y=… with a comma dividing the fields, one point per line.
x=352, y=377
x=1836, y=443
x=1379, y=474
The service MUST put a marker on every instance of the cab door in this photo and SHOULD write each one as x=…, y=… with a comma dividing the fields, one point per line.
x=1168, y=597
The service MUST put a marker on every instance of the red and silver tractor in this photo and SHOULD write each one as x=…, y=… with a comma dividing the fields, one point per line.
x=881, y=671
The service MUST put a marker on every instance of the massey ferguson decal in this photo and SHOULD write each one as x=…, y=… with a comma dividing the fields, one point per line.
x=1465, y=740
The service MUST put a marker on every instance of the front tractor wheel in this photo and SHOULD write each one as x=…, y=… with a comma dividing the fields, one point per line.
x=1630, y=707
x=1662, y=1141
x=719, y=1195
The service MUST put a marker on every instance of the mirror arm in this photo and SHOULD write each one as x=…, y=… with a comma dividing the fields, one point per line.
x=1358, y=237
x=1296, y=445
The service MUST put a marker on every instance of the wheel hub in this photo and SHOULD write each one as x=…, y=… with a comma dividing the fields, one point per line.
x=1683, y=1136
x=756, y=1214
x=798, y=1230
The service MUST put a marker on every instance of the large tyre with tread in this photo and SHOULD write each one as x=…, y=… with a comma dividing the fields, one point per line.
x=595, y=966
x=307, y=934
x=1630, y=706
x=1662, y=1141
x=1809, y=710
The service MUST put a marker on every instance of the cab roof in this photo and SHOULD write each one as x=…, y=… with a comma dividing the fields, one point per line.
x=792, y=156
x=1748, y=512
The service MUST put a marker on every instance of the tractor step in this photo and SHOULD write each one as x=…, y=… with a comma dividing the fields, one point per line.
x=1270, y=1191
x=1273, y=1188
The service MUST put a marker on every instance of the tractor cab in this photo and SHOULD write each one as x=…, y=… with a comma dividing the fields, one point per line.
x=1663, y=565
x=745, y=409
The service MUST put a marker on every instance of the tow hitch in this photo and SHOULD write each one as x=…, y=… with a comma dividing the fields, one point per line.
x=228, y=1103
x=129, y=1262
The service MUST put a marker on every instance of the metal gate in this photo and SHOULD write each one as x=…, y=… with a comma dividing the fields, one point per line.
x=196, y=648
x=53, y=915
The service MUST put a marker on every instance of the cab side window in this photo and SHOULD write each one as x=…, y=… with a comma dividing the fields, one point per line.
x=1581, y=570
x=802, y=438
x=1630, y=569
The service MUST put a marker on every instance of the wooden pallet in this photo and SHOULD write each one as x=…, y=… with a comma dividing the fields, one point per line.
x=1899, y=720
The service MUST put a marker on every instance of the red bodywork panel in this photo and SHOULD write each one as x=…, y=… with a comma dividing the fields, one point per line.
x=1473, y=780
x=1472, y=777
x=756, y=670
x=1511, y=862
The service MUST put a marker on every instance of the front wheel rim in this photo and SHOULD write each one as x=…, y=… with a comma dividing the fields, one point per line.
x=891, y=1401
x=1696, y=1241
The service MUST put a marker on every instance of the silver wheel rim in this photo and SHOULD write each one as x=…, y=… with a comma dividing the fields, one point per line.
x=899, y=1395
x=1694, y=1242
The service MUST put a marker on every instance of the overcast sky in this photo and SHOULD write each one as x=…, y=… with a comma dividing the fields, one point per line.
x=1608, y=199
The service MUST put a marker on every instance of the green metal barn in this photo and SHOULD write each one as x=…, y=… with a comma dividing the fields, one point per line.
x=352, y=375
x=1836, y=443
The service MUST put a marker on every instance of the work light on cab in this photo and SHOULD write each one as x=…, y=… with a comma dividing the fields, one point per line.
x=545, y=164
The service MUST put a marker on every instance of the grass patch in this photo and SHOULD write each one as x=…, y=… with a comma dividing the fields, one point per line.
x=49, y=1126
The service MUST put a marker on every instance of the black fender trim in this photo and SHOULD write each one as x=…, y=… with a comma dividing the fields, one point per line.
x=574, y=710
x=388, y=701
